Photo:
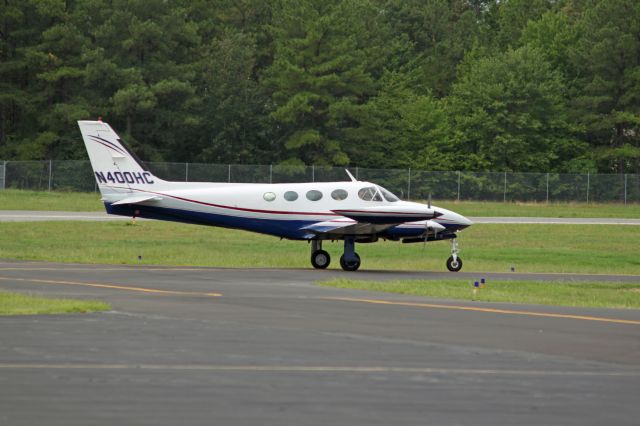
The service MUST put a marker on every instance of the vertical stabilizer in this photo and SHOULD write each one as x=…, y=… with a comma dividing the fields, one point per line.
x=115, y=167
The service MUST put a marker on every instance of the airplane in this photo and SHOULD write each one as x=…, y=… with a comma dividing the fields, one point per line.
x=352, y=211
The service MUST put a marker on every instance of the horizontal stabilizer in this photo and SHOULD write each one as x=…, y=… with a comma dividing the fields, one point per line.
x=389, y=214
x=136, y=200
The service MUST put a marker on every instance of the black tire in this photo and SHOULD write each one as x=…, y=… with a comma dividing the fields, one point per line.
x=351, y=266
x=320, y=259
x=454, y=266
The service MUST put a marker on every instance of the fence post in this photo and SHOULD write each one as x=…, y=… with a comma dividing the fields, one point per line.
x=4, y=175
x=270, y=173
x=458, y=185
x=229, y=174
x=409, y=185
x=547, y=188
x=186, y=172
x=50, y=173
x=504, y=192
x=588, y=182
x=625, y=186
x=313, y=173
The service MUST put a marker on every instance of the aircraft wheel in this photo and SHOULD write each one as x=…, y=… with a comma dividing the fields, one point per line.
x=454, y=266
x=320, y=259
x=350, y=266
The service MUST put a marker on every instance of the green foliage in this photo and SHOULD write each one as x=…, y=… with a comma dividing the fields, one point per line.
x=510, y=115
x=399, y=128
x=323, y=71
x=608, y=101
x=521, y=85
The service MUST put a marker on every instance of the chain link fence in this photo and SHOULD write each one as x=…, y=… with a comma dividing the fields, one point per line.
x=406, y=183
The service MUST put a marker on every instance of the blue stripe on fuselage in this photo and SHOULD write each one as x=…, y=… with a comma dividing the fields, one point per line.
x=292, y=229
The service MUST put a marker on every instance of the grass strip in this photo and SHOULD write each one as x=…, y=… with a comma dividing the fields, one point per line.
x=16, y=199
x=559, y=293
x=22, y=304
x=484, y=248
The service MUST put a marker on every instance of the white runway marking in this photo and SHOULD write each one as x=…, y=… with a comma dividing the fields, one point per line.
x=311, y=369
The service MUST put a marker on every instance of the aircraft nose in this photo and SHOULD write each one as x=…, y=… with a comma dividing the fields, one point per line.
x=463, y=222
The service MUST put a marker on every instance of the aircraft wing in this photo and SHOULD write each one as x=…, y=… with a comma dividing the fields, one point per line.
x=389, y=214
x=339, y=228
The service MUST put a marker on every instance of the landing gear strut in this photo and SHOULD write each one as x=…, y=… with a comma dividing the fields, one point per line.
x=454, y=263
x=320, y=259
x=350, y=261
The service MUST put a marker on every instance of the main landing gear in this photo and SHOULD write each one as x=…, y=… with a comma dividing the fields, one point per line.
x=454, y=263
x=320, y=259
x=349, y=261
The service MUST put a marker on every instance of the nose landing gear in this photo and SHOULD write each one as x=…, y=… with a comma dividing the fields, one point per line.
x=454, y=263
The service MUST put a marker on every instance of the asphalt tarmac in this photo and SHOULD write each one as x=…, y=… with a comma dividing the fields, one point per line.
x=207, y=346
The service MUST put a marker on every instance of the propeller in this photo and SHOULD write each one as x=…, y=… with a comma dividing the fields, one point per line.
x=426, y=224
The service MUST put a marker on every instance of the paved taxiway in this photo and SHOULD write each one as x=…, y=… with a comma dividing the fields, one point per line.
x=203, y=346
x=42, y=216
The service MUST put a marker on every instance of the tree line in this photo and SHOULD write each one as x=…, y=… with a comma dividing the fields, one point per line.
x=502, y=85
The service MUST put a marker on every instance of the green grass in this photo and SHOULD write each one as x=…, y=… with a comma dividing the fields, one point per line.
x=22, y=304
x=591, y=294
x=484, y=248
x=12, y=199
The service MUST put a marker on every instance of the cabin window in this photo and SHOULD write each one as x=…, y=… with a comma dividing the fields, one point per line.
x=388, y=195
x=339, y=194
x=291, y=195
x=314, y=195
x=269, y=196
x=369, y=194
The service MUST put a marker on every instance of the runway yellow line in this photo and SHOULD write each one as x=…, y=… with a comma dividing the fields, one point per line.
x=112, y=286
x=313, y=369
x=126, y=268
x=488, y=310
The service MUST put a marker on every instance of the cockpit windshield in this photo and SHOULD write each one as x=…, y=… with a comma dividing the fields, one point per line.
x=369, y=193
x=375, y=193
x=388, y=195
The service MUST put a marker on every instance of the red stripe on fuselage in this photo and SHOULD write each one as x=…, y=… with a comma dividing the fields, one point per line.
x=229, y=207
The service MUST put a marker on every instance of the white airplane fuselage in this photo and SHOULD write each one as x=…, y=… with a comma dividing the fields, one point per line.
x=243, y=206
x=352, y=211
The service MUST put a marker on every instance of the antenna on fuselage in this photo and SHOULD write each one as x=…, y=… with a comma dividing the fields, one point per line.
x=351, y=176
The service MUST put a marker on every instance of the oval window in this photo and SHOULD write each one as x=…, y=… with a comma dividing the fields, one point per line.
x=290, y=195
x=314, y=195
x=339, y=194
x=269, y=196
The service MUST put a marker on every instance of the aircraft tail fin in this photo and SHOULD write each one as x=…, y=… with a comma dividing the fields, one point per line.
x=115, y=167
